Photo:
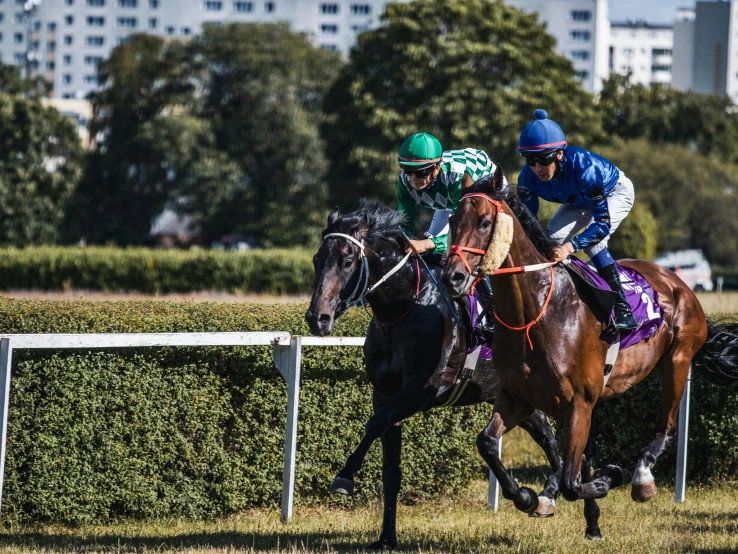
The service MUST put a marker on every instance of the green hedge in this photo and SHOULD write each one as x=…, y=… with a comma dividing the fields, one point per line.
x=197, y=432
x=148, y=270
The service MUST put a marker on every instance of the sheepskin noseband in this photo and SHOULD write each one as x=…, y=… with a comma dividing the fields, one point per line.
x=500, y=245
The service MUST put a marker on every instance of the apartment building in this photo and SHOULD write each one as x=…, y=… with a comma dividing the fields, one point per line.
x=643, y=50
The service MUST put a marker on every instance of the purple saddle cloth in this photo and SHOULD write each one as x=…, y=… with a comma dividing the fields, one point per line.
x=477, y=337
x=639, y=293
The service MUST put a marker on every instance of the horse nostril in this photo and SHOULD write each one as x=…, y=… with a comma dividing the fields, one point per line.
x=324, y=319
x=457, y=278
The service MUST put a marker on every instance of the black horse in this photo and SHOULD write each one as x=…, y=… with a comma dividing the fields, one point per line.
x=415, y=352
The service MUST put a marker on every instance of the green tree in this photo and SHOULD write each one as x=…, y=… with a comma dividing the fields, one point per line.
x=637, y=235
x=471, y=72
x=263, y=88
x=693, y=198
x=705, y=123
x=41, y=161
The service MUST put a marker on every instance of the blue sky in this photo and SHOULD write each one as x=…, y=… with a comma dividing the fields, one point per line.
x=653, y=11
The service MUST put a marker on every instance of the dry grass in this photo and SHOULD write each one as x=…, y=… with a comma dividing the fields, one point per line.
x=707, y=522
x=719, y=303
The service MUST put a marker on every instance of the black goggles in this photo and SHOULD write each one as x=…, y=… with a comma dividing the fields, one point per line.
x=422, y=173
x=541, y=159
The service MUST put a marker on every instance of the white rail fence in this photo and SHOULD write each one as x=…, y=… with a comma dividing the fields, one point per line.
x=287, y=351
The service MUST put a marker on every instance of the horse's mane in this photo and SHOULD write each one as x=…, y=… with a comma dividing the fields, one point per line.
x=375, y=219
x=530, y=224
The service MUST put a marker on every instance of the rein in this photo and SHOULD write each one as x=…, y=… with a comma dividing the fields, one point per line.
x=459, y=251
x=360, y=291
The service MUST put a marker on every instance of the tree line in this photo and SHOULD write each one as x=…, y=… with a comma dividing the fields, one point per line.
x=251, y=130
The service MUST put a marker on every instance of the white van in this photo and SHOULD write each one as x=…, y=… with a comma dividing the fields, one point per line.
x=691, y=266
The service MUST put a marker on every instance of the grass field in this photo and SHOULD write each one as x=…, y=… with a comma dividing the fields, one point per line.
x=707, y=522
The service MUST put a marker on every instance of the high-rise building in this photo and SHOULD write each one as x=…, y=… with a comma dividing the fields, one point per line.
x=66, y=39
x=643, y=50
x=715, y=49
x=683, y=57
x=582, y=32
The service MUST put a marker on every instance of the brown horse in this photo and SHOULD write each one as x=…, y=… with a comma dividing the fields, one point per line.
x=548, y=350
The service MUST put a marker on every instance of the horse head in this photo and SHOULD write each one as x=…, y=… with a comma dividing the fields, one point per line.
x=481, y=234
x=352, y=245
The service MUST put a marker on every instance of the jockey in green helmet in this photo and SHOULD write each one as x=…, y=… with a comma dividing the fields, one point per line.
x=434, y=179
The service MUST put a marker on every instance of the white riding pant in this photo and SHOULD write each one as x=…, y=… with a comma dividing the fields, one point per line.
x=569, y=220
x=439, y=224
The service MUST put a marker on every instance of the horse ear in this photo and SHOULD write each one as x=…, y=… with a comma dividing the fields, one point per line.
x=333, y=217
x=498, y=179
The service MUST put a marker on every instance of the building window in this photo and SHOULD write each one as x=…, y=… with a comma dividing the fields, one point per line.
x=170, y=30
x=122, y=40
x=581, y=15
x=19, y=57
x=627, y=52
x=68, y=40
x=90, y=79
x=69, y=19
x=67, y=79
x=1, y=39
x=213, y=5
x=2, y=16
x=152, y=23
x=328, y=29
x=329, y=47
x=186, y=31
x=67, y=96
x=93, y=60
x=18, y=38
x=356, y=29
x=329, y=9
x=67, y=60
x=19, y=17
x=50, y=66
x=660, y=67
x=95, y=41
x=126, y=23
x=51, y=27
x=269, y=7
x=127, y=3
x=580, y=36
x=153, y=4
x=37, y=26
x=361, y=9
x=661, y=52
x=35, y=45
x=580, y=55
x=69, y=2
x=582, y=75
x=96, y=3
x=95, y=21
x=243, y=7
x=51, y=46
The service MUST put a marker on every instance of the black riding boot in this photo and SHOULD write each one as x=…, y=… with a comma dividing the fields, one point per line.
x=624, y=320
x=485, y=304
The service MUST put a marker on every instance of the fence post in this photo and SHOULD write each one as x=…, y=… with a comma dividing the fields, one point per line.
x=6, y=361
x=681, y=476
x=289, y=360
x=493, y=493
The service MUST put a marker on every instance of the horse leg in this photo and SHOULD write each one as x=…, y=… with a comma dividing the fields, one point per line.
x=673, y=372
x=540, y=431
x=507, y=414
x=391, y=476
x=408, y=401
x=576, y=434
x=591, y=509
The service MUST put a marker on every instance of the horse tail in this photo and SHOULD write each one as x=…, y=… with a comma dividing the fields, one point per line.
x=718, y=358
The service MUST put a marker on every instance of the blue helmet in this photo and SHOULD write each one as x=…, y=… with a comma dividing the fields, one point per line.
x=541, y=135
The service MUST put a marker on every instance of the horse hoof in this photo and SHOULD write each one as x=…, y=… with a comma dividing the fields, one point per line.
x=546, y=507
x=596, y=537
x=341, y=485
x=618, y=476
x=383, y=544
x=643, y=493
x=526, y=501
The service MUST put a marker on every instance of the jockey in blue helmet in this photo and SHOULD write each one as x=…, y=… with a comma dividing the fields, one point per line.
x=596, y=197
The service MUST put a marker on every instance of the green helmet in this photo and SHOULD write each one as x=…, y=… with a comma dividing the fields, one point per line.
x=419, y=150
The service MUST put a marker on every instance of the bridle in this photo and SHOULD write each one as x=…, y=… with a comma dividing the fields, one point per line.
x=362, y=288
x=459, y=250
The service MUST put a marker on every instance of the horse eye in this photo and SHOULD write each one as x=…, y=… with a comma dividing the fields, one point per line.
x=348, y=263
x=485, y=224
